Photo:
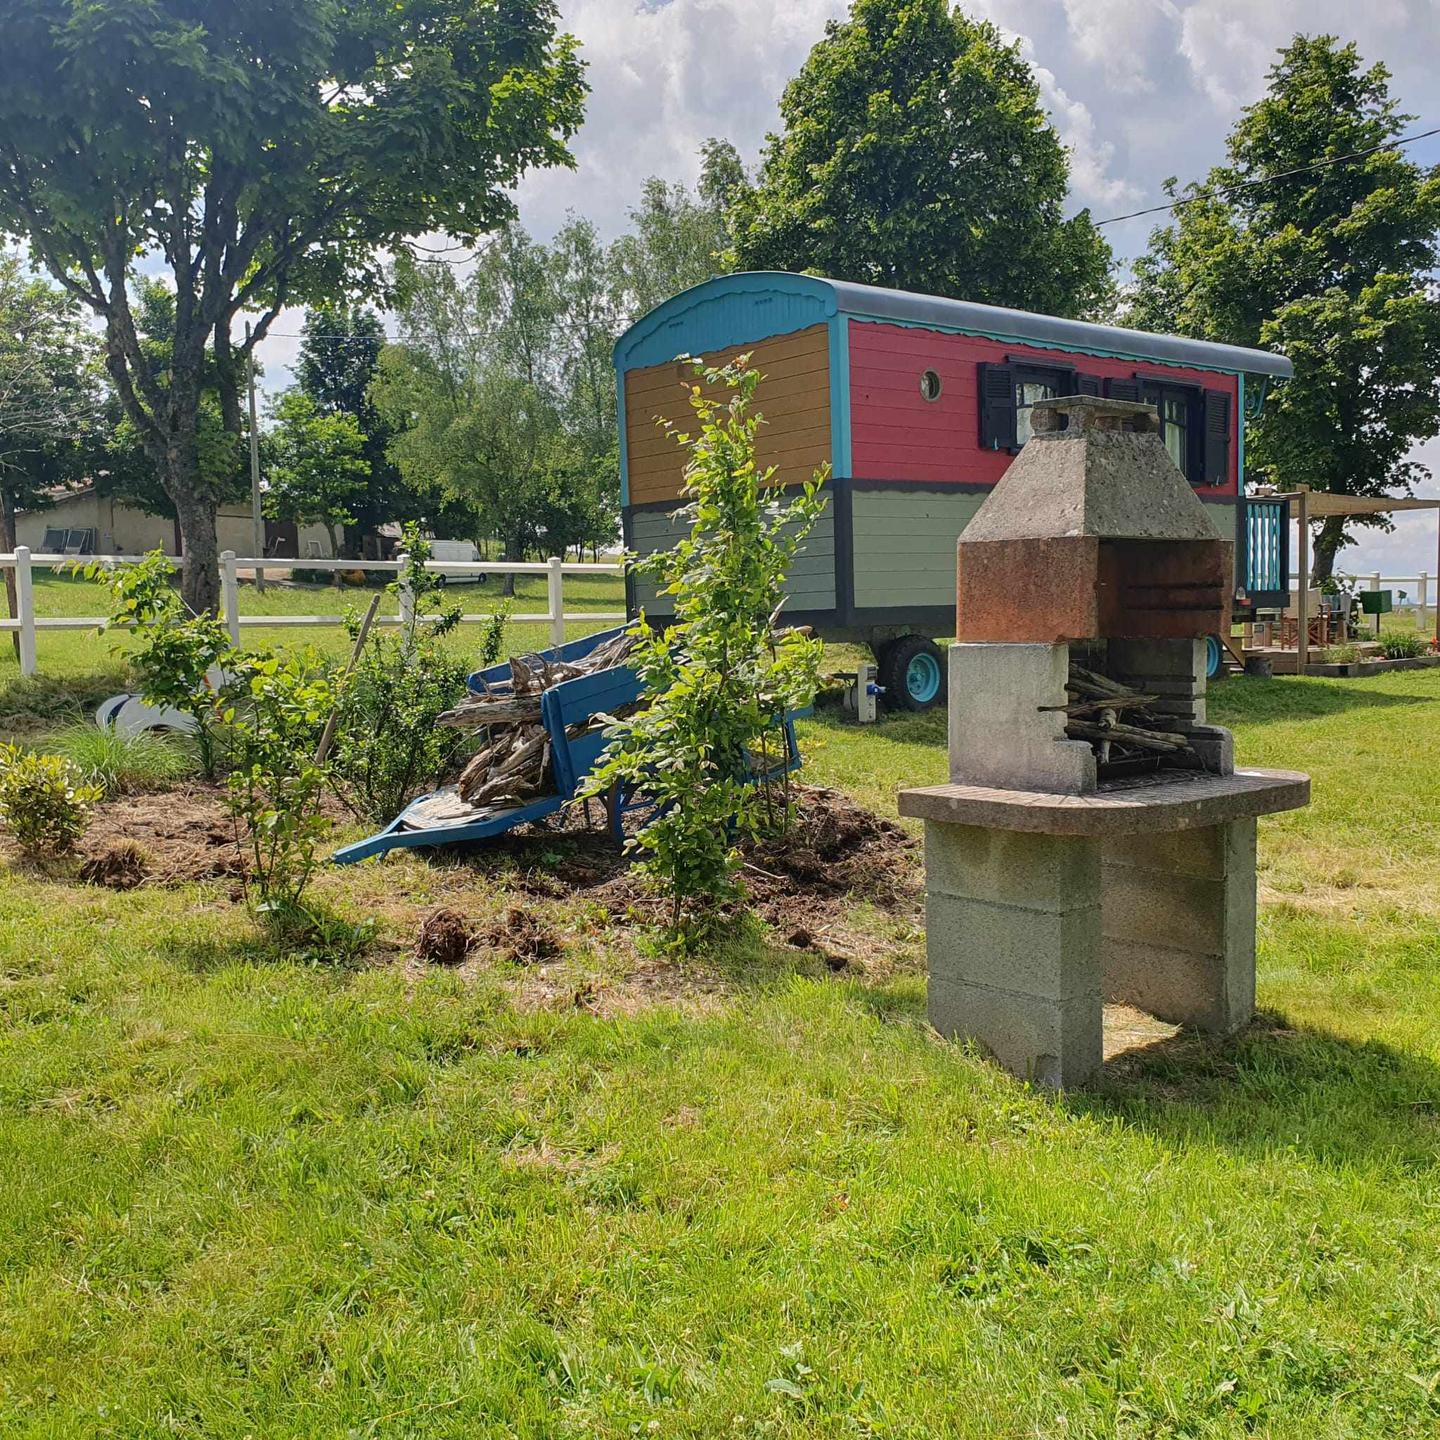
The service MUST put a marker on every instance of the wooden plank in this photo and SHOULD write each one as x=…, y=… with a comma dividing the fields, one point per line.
x=782, y=381
x=648, y=439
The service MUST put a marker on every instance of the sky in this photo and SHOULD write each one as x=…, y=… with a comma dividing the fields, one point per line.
x=1139, y=90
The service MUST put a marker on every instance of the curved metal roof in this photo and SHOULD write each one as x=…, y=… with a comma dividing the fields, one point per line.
x=702, y=317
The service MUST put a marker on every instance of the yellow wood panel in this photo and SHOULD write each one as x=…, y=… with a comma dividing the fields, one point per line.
x=793, y=396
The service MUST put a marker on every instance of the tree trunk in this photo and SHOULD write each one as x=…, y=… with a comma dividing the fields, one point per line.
x=1328, y=543
x=7, y=547
x=514, y=554
x=195, y=505
x=200, y=575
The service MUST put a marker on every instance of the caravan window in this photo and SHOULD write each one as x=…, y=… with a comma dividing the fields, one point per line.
x=1032, y=385
x=1176, y=404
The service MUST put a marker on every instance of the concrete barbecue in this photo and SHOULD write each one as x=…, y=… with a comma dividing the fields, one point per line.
x=1096, y=842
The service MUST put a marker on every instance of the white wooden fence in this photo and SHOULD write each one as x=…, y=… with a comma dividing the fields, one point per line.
x=29, y=624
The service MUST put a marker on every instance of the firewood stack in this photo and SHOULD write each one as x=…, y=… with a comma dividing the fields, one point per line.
x=512, y=766
x=1118, y=721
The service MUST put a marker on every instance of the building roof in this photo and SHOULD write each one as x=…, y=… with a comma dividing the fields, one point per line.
x=695, y=320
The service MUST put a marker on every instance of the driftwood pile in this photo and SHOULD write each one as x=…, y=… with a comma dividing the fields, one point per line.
x=1118, y=721
x=512, y=765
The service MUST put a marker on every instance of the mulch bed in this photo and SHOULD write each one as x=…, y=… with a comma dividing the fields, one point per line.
x=182, y=834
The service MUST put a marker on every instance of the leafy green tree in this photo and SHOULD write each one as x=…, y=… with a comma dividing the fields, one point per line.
x=679, y=237
x=264, y=151
x=123, y=467
x=1317, y=238
x=318, y=473
x=915, y=154
x=48, y=396
x=707, y=747
x=494, y=393
x=339, y=356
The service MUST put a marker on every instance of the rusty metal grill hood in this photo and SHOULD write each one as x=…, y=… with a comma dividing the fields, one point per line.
x=1092, y=533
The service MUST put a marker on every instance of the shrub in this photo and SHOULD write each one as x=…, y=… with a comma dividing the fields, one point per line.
x=1403, y=644
x=388, y=748
x=278, y=712
x=719, y=680
x=177, y=655
x=45, y=802
x=1345, y=654
x=118, y=762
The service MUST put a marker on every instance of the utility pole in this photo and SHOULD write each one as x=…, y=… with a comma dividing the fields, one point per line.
x=255, y=517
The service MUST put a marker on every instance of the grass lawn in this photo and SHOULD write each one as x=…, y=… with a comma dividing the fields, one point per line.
x=250, y=1194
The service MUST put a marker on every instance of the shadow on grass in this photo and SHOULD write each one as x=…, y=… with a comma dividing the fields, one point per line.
x=1243, y=700
x=1272, y=1089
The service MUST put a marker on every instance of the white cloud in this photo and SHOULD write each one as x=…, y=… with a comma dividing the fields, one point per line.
x=1139, y=90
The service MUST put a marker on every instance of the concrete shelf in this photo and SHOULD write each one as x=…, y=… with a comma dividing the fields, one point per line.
x=1175, y=800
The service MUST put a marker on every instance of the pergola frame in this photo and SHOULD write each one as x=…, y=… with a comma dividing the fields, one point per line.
x=1308, y=505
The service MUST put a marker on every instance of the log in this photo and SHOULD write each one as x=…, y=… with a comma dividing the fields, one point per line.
x=485, y=711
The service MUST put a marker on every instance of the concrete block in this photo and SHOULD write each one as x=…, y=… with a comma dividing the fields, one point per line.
x=1049, y=954
x=998, y=735
x=1045, y=872
x=1162, y=659
x=1209, y=850
x=1214, y=992
x=1178, y=921
x=1048, y=1042
x=1181, y=912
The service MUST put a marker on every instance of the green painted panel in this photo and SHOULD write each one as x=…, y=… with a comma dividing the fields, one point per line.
x=904, y=545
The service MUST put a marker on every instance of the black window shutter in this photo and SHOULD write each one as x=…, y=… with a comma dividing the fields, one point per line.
x=997, y=407
x=1217, y=437
x=1123, y=389
x=1087, y=385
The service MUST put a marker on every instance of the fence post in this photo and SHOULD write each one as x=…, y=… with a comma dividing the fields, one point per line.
x=1422, y=597
x=556, y=587
x=230, y=595
x=25, y=609
x=406, y=594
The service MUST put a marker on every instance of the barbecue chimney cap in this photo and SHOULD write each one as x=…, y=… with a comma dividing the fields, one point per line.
x=1090, y=412
x=1107, y=476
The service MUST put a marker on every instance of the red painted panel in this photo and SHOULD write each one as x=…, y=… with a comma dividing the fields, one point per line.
x=896, y=434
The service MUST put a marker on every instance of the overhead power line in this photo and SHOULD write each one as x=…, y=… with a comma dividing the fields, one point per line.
x=1271, y=179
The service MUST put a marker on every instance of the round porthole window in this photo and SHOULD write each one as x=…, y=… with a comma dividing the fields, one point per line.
x=930, y=385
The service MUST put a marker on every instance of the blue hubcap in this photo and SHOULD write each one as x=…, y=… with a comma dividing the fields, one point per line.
x=1214, y=656
x=922, y=678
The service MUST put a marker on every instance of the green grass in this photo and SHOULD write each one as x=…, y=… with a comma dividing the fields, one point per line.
x=118, y=762
x=253, y=1194
x=80, y=652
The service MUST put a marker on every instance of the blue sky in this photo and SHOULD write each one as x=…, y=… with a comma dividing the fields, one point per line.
x=1139, y=90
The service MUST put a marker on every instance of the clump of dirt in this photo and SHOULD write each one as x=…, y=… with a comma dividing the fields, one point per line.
x=186, y=833
x=120, y=866
x=520, y=936
x=444, y=937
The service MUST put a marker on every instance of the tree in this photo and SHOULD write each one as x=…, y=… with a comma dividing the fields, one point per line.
x=263, y=150
x=339, y=358
x=707, y=748
x=1317, y=238
x=318, y=472
x=915, y=154
x=679, y=237
x=501, y=390
x=48, y=395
